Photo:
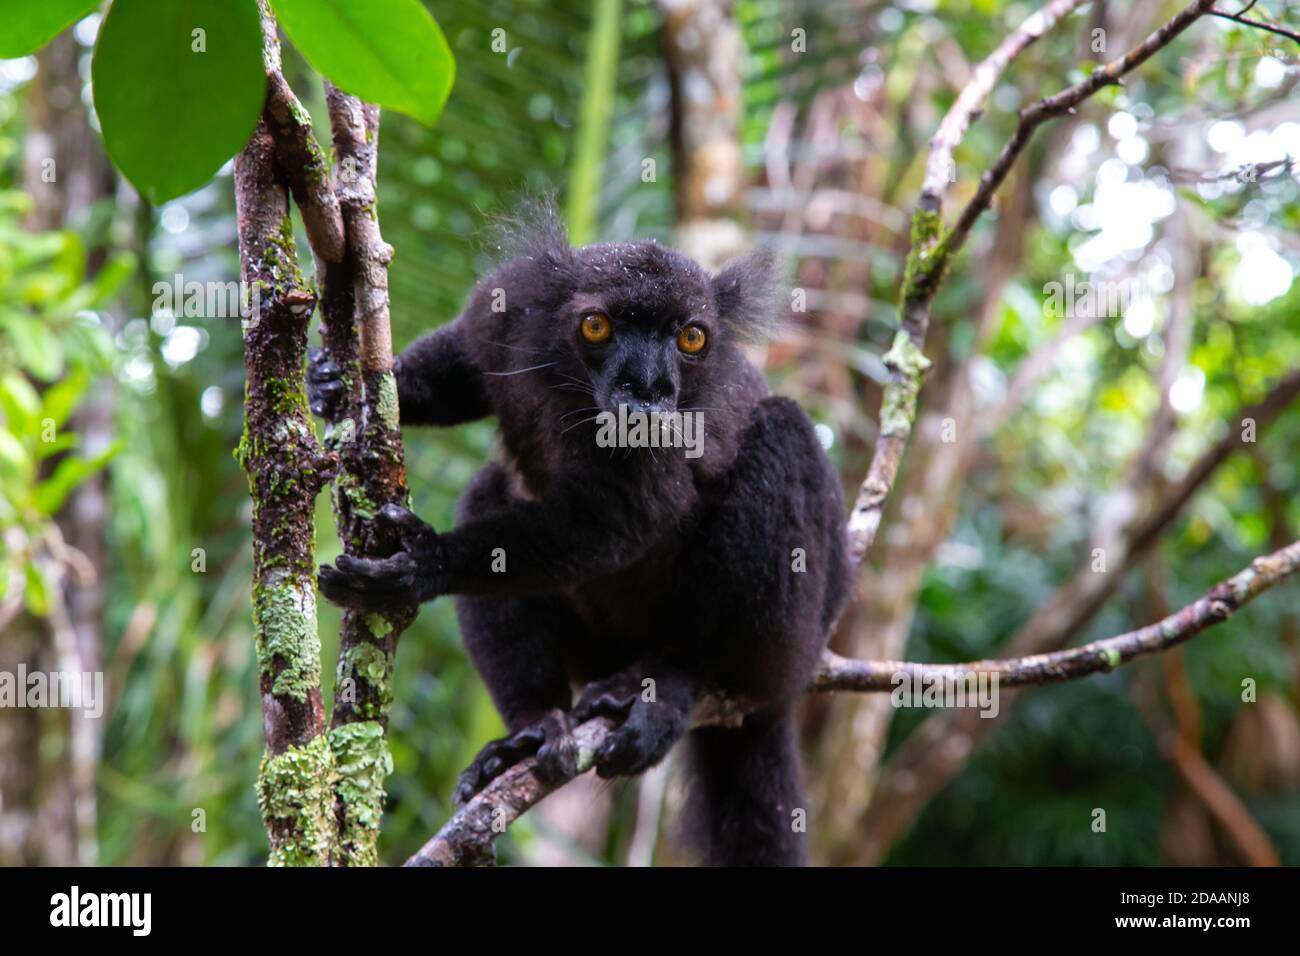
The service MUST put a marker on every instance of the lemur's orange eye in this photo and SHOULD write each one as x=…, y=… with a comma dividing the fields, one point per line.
x=596, y=327
x=691, y=340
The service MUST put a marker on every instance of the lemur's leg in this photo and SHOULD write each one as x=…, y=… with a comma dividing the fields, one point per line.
x=745, y=799
x=515, y=644
x=762, y=624
x=767, y=569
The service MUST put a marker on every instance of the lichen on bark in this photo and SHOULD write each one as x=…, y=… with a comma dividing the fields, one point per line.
x=288, y=643
x=898, y=403
x=386, y=403
x=362, y=763
x=295, y=795
x=373, y=665
x=355, y=330
x=283, y=462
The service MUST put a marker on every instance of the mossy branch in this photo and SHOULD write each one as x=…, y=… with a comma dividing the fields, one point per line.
x=286, y=470
x=367, y=437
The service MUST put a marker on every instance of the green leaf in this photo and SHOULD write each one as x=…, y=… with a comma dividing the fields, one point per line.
x=14, y=460
x=70, y=472
x=63, y=441
x=19, y=402
x=178, y=89
x=107, y=281
x=29, y=25
x=37, y=347
x=36, y=594
x=388, y=52
x=61, y=398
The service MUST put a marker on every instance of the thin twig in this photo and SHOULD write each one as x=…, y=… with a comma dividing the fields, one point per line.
x=1064, y=102
x=1257, y=24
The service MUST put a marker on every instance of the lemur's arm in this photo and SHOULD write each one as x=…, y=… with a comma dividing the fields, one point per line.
x=437, y=382
x=577, y=532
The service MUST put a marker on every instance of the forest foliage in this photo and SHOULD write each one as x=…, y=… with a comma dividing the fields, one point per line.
x=78, y=319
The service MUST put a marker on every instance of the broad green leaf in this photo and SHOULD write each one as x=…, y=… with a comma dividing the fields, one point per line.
x=70, y=472
x=30, y=24
x=388, y=52
x=63, y=441
x=178, y=89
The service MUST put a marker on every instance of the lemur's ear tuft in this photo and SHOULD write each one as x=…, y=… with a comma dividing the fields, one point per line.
x=533, y=230
x=746, y=294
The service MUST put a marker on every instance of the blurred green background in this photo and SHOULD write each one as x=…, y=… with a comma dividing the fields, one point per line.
x=833, y=140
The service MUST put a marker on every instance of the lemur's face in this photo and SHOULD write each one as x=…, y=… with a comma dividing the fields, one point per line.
x=642, y=325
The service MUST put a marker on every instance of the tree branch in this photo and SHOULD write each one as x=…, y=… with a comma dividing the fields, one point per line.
x=285, y=471
x=466, y=839
x=934, y=752
x=305, y=167
x=1257, y=24
x=1064, y=102
x=358, y=337
x=342, y=225
x=926, y=262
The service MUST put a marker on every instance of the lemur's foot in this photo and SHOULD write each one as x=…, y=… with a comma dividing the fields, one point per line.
x=549, y=740
x=324, y=384
x=650, y=724
x=611, y=697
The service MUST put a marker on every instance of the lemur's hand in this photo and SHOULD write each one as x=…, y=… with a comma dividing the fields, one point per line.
x=324, y=384
x=412, y=575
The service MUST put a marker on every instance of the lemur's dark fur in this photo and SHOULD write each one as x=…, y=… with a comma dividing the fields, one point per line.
x=627, y=563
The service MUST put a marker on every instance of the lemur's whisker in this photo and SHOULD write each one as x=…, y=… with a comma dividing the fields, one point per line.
x=520, y=371
x=575, y=380
x=518, y=348
x=574, y=386
x=577, y=423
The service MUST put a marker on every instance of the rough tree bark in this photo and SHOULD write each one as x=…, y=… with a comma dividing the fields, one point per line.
x=358, y=338
x=345, y=769
x=702, y=48
x=286, y=470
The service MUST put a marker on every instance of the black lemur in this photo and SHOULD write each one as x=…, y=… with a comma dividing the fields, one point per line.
x=648, y=574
